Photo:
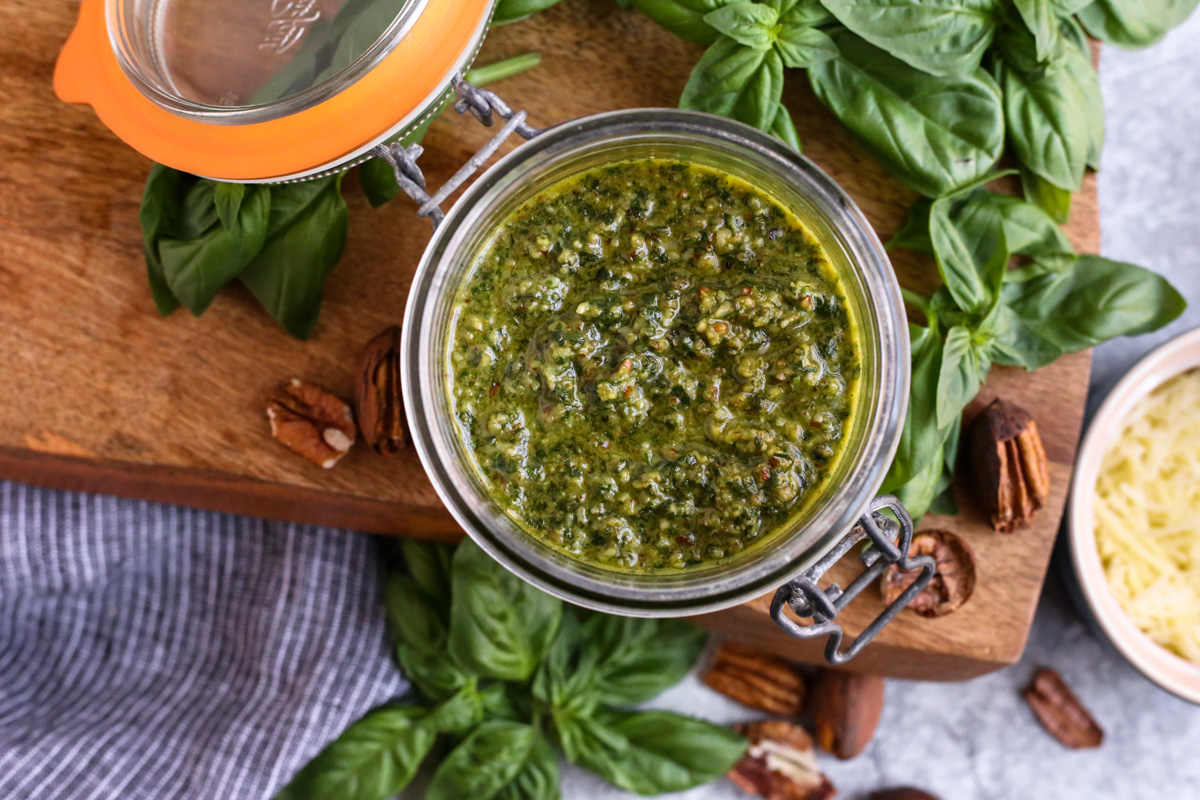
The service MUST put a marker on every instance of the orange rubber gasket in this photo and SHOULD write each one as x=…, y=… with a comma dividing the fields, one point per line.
x=420, y=65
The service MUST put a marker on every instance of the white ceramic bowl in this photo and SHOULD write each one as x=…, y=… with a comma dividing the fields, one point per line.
x=1158, y=664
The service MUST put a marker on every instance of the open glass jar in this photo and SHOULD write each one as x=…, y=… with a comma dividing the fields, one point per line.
x=253, y=93
x=846, y=503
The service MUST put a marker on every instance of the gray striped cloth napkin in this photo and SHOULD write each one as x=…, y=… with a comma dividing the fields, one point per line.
x=150, y=652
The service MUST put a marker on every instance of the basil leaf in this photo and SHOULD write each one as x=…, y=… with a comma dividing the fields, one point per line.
x=684, y=18
x=784, y=128
x=420, y=635
x=373, y=759
x=637, y=659
x=565, y=678
x=203, y=254
x=1012, y=343
x=500, y=626
x=921, y=438
x=736, y=81
x=934, y=134
x=956, y=260
x=1066, y=8
x=961, y=375
x=1028, y=230
x=306, y=237
x=484, y=763
x=1095, y=300
x=378, y=182
x=914, y=233
x=944, y=501
x=1134, y=23
x=459, y=713
x=537, y=779
x=159, y=214
x=1077, y=60
x=801, y=46
x=227, y=198
x=1054, y=201
x=659, y=751
x=516, y=10
x=748, y=24
x=918, y=493
x=429, y=564
x=970, y=246
x=801, y=13
x=940, y=37
x=507, y=701
x=1047, y=112
x=1042, y=22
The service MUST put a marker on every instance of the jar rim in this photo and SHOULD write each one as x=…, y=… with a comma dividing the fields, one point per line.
x=143, y=64
x=786, y=552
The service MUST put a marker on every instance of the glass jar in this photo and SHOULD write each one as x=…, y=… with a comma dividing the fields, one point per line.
x=267, y=90
x=764, y=162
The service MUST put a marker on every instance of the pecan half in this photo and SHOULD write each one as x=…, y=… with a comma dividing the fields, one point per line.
x=845, y=708
x=952, y=584
x=901, y=793
x=377, y=395
x=757, y=680
x=1008, y=464
x=1060, y=711
x=780, y=763
x=311, y=422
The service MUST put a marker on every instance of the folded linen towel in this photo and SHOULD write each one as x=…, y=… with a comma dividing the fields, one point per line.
x=154, y=652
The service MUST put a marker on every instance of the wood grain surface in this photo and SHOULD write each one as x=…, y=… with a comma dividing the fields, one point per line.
x=102, y=395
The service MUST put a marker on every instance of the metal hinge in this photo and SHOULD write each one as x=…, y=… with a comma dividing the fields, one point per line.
x=889, y=544
x=484, y=105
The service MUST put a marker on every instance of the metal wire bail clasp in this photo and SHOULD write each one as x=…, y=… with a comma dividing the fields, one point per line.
x=889, y=545
x=483, y=104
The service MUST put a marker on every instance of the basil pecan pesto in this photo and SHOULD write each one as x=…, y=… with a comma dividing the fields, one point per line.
x=653, y=365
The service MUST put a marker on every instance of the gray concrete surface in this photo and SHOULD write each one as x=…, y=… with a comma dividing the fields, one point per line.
x=977, y=740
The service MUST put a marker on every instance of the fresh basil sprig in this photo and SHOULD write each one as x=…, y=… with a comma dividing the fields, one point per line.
x=741, y=74
x=1057, y=303
x=504, y=673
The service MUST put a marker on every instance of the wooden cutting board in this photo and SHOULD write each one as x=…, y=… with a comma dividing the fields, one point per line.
x=102, y=395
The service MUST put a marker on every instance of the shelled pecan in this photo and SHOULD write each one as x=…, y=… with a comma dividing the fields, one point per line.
x=845, y=708
x=952, y=584
x=377, y=396
x=1060, y=711
x=1008, y=465
x=311, y=422
x=757, y=680
x=780, y=763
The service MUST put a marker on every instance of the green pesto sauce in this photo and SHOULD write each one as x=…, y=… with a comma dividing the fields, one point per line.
x=653, y=366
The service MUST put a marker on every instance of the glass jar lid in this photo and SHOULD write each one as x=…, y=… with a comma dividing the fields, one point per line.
x=266, y=90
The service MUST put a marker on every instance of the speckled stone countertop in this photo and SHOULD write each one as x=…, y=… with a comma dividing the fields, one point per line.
x=978, y=740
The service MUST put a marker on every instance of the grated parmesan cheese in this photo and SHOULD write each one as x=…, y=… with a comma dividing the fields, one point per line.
x=1147, y=509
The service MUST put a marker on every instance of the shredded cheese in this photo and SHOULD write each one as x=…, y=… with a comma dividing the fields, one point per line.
x=1147, y=510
